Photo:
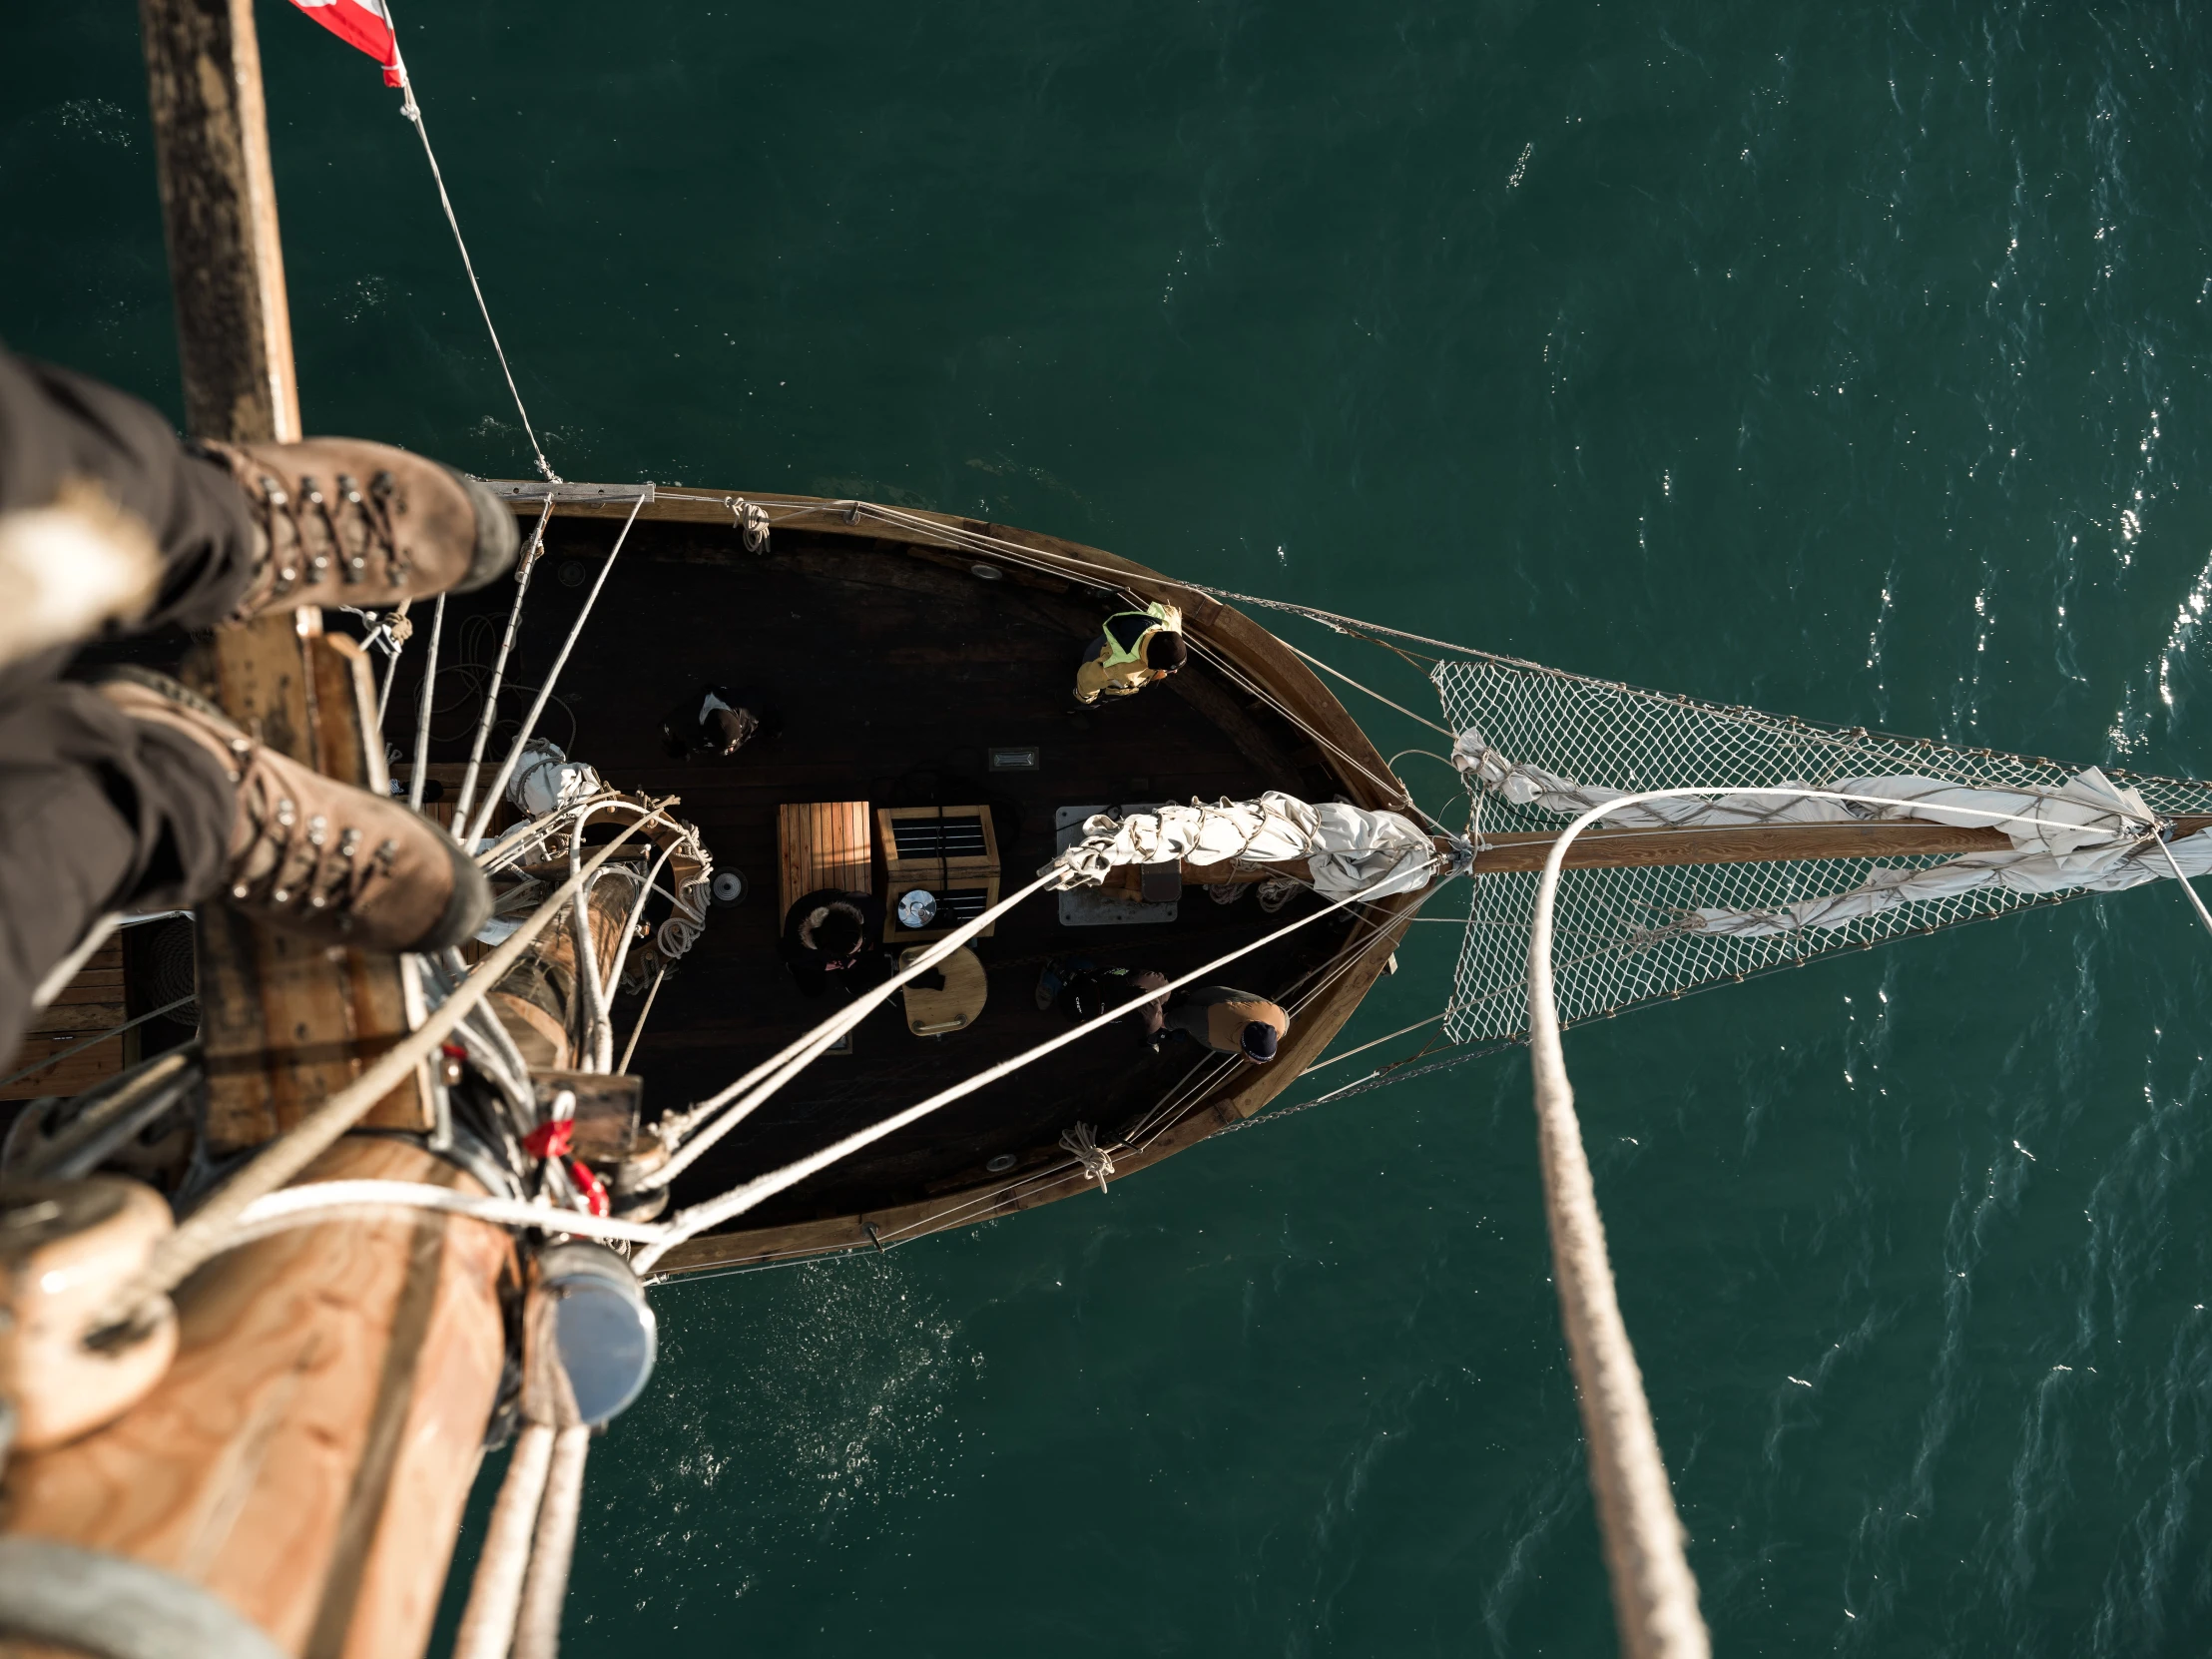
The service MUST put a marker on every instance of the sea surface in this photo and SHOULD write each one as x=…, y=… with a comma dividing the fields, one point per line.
x=1845, y=360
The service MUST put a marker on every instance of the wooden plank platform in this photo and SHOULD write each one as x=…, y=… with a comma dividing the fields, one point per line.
x=824, y=844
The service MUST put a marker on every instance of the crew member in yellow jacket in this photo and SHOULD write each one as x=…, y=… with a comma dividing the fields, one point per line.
x=1134, y=649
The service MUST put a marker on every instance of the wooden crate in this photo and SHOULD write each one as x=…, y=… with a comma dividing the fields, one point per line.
x=951, y=851
x=824, y=844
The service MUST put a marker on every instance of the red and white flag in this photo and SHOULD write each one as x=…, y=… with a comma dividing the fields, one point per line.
x=362, y=23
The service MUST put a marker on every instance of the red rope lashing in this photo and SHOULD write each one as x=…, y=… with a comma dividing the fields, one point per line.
x=556, y=1138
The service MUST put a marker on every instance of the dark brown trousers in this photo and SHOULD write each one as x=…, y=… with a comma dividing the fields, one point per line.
x=97, y=811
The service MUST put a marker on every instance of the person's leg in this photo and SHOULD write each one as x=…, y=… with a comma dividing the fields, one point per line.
x=98, y=811
x=243, y=529
x=129, y=797
x=56, y=426
x=136, y=794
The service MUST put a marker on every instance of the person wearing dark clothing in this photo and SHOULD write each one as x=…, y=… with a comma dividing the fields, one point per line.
x=1083, y=992
x=1228, y=1022
x=135, y=795
x=716, y=722
x=835, y=938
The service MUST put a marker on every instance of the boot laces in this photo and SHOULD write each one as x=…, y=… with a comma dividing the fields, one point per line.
x=308, y=531
x=295, y=860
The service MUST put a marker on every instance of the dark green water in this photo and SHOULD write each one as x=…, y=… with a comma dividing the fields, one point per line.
x=1850, y=361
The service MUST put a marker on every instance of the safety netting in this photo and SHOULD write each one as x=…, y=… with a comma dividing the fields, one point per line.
x=1631, y=936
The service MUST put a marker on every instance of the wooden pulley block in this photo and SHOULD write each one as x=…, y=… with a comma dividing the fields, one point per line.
x=631, y=1202
x=67, y=1246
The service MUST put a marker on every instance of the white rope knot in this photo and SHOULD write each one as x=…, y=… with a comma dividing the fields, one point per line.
x=752, y=522
x=1097, y=1162
x=1494, y=771
x=400, y=629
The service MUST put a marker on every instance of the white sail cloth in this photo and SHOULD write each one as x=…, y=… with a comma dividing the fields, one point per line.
x=546, y=779
x=2098, y=869
x=1349, y=848
x=2089, y=835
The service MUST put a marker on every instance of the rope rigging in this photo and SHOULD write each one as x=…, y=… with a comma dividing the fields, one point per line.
x=258, y=1201
x=524, y=566
x=413, y=110
x=421, y=776
x=206, y=1232
x=700, y=1217
x=475, y=832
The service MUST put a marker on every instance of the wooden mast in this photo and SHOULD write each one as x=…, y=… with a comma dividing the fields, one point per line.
x=307, y=1457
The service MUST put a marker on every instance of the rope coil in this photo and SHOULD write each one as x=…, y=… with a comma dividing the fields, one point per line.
x=1097, y=1162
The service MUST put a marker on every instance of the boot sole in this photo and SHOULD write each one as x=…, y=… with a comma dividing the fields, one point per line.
x=176, y=691
x=467, y=908
x=498, y=539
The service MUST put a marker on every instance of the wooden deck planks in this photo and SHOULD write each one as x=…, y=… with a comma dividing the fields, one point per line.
x=823, y=843
x=91, y=1002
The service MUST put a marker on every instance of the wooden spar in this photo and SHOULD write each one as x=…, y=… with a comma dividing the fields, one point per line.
x=218, y=210
x=286, y=1024
x=307, y=1457
x=1765, y=844
x=308, y=1453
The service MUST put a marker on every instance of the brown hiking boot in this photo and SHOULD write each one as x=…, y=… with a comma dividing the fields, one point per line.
x=347, y=522
x=313, y=856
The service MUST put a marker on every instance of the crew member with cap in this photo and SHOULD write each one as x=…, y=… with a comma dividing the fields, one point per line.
x=828, y=939
x=1228, y=1022
x=1132, y=649
x=716, y=721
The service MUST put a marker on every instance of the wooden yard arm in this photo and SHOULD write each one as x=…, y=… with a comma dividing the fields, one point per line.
x=1764, y=843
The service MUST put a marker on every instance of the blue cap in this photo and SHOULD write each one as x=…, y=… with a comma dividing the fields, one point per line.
x=1258, y=1040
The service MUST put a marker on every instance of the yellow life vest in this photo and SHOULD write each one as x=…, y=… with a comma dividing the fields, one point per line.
x=1158, y=613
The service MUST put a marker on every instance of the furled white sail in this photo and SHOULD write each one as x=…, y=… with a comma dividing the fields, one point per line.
x=1350, y=849
x=2086, y=835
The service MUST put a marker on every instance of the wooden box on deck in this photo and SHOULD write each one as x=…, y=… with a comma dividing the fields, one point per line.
x=975, y=867
x=823, y=843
